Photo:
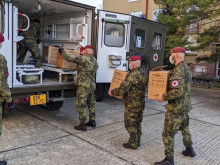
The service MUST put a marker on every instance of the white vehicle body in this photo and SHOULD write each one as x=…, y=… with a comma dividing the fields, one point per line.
x=70, y=24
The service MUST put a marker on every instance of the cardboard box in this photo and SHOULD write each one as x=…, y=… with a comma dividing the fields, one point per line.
x=158, y=82
x=50, y=54
x=62, y=63
x=118, y=77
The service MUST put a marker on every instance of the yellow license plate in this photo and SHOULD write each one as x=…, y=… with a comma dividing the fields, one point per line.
x=38, y=99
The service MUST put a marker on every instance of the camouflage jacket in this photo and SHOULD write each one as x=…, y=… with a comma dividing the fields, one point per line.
x=178, y=95
x=35, y=32
x=133, y=88
x=5, y=94
x=86, y=69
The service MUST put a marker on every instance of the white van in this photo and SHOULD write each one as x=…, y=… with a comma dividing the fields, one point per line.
x=69, y=24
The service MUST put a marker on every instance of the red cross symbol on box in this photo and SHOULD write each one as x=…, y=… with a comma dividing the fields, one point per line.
x=155, y=57
x=175, y=83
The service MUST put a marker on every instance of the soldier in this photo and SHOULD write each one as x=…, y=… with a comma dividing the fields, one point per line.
x=133, y=90
x=178, y=107
x=32, y=38
x=5, y=95
x=86, y=85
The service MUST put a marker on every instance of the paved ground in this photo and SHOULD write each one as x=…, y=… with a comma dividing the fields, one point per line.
x=33, y=135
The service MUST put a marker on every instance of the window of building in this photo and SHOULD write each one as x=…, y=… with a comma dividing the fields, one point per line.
x=139, y=38
x=156, y=12
x=114, y=34
x=1, y=19
x=157, y=41
x=193, y=27
x=133, y=0
x=136, y=13
x=192, y=42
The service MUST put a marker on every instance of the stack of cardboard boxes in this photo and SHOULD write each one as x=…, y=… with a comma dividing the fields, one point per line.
x=52, y=56
x=158, y=81
x=118, y=77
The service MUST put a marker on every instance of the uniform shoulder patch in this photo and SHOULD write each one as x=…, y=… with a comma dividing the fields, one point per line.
x=175, y=83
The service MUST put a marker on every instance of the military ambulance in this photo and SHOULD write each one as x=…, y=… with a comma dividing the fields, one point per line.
x=69, y=24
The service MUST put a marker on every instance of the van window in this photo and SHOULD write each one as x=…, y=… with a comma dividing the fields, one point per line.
x=114, y=34
x=139, y=38
x=157, y=41
x=1, y=18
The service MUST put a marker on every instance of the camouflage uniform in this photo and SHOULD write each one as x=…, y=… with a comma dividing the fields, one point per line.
x=32, y=37
x=133, y=90
x=86, y=84
x=178, y=107
x=5, y=95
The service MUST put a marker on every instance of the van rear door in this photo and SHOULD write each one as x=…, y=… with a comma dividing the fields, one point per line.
x=112, y=45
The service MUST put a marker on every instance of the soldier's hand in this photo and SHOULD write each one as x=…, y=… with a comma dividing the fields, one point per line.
x=160, y=97
x=60, y=49
x=109, y=93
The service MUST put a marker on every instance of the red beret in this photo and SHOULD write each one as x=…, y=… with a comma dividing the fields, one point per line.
x=178, y=50
x=135, y=58
x=1, y=37
x=89, y=46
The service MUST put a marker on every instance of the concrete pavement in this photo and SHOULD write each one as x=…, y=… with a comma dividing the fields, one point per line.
x=33, y=135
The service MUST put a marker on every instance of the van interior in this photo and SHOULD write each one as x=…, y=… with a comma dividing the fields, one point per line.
x=63, y=23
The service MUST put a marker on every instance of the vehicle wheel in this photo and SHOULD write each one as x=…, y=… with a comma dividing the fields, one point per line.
x=145, y=63
x=145, y=66
x=99, y=92
x=53, y=106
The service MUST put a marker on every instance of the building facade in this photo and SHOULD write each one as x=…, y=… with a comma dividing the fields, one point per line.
x=134, y=7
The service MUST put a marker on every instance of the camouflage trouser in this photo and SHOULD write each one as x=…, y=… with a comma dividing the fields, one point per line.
x=0, y=119
x=133, y=119
x=30, y=45
x=85, y=97
x=5, y=95
x=174, y=123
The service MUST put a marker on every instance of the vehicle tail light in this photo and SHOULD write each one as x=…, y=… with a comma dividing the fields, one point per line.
x=27, y=99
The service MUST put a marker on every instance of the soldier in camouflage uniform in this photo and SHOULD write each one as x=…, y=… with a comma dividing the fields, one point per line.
x=178, y=107
x=5, y=95
x=133, y=90
x=32, y=37
x=86, y=85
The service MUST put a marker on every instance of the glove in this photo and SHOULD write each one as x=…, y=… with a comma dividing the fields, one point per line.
x=60, y=49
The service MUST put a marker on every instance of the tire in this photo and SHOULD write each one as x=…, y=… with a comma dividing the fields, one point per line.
x=145, y=63
x=145, y=66
x=99, y=92
x=53, y=106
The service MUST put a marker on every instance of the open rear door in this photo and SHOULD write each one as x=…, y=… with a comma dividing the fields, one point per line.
x=113, y=43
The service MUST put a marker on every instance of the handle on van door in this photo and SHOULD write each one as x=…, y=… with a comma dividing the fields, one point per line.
x=84, y=30
x=77, y=30
x=28, y=22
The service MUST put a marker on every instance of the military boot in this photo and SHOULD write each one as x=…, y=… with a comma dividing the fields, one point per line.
x=166, y=161
x=91, y=123
x=82, y=127
x=128, y=146
x=189, y=152
x=3, y=163
x=139, y=143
